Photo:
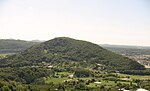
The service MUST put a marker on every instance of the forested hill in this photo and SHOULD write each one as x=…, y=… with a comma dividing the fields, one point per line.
x=13, y=46
x=67, y=49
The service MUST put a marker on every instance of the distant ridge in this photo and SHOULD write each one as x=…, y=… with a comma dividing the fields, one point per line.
x=13, y=46
x=125, y=46
x=128, y=50
x=37, y=41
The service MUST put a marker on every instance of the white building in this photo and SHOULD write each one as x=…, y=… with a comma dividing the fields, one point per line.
x=141, y=89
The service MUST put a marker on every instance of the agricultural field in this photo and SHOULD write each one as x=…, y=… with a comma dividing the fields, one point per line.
x=3, y=55
x=135, y=76
x=108, y=81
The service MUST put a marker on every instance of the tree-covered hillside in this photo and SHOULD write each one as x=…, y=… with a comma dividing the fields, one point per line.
x=13, y=46
x=62, y=49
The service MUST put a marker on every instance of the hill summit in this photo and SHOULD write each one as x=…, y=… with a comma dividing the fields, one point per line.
x=62, y=49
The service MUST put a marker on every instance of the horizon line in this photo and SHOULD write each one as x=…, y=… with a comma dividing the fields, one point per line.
x=111, y=44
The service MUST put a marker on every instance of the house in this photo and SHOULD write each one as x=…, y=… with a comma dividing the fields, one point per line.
x=98, y=82
x=123, y=89
x=140, y=89
x=71, y=80
x=70, y=76
x=126, y=79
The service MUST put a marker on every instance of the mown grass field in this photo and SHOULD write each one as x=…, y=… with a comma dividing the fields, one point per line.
x=54, y=80
x=135, y=76
x=63, y=73
x=57, y=80
x=107, y=83
x=2, y=55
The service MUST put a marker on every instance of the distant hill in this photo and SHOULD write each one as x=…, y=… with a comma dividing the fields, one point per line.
x=62, y=49
x=128, y=50
x=37, y=41
x=125, y=46
x=13, y=46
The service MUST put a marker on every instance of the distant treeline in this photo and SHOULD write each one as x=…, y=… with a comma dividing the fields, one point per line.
x=136, y=72
x=129, y=51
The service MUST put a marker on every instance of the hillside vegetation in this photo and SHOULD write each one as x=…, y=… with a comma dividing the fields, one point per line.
x=66, y=49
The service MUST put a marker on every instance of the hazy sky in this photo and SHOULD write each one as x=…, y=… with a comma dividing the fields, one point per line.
x=99, y=21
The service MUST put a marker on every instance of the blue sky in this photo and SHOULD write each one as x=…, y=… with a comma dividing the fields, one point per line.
x=124, y=22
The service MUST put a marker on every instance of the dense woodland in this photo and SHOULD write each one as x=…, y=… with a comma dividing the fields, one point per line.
x=66, y=64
